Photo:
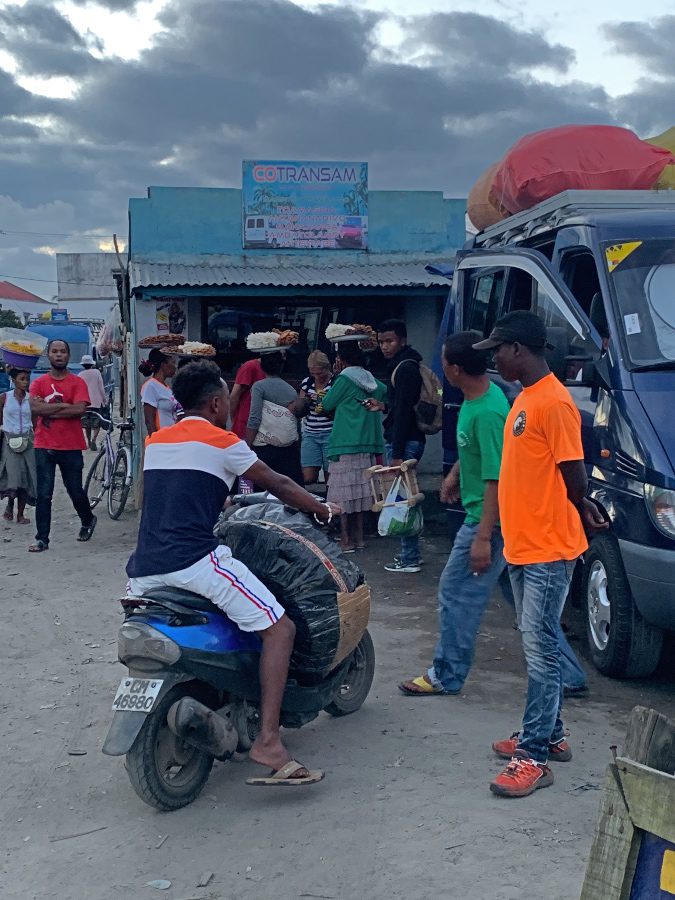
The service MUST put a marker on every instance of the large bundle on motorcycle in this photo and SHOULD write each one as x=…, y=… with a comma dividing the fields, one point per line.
x=582, y=157
x=667, y=141
x=321, y=590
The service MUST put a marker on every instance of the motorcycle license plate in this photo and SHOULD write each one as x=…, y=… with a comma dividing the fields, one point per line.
x=137, y=694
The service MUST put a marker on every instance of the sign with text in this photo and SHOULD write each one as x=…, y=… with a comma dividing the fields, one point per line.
x=305, y=205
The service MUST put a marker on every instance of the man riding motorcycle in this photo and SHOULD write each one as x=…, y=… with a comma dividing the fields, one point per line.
x=189, y=469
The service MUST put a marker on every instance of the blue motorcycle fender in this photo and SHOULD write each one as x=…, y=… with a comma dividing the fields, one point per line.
x=126, y=725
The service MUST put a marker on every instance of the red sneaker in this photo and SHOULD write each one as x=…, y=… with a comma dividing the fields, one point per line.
x=558, y=752
x=521, y=777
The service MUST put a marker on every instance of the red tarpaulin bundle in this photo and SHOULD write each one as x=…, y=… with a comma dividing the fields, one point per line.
x=581, y=157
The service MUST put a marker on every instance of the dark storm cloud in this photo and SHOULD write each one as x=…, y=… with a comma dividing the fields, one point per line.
x=112, y=5
x=466, y=38
x=233, y=79
x=43, y=42
x=651, y=43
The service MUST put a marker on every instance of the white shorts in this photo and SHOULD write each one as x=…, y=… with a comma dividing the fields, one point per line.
x=225, y=581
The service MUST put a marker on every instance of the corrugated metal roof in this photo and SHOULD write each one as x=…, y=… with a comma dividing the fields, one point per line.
x=226, y=271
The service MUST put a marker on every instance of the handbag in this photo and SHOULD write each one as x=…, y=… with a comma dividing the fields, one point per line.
x=18, y=444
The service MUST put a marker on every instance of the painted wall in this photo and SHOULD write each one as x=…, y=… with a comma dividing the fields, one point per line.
x=208, y=220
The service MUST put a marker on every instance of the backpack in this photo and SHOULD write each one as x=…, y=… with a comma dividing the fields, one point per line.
x=429, y=407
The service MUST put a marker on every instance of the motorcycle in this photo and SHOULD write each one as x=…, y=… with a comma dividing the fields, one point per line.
x=192, y=693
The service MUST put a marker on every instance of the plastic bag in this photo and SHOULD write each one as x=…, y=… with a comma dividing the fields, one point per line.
x=397, y=518
x=321, y=590
x=584, y=157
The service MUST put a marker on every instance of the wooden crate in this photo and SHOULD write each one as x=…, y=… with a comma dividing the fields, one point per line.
x=633, y=852
x=382, y=477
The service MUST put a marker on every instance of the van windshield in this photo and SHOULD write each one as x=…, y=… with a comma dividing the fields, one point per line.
x=642, y=281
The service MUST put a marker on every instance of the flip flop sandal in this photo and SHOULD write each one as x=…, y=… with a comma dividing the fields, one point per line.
x=86, y=532
x=284, y=776
x=425, y=689
x=38, y=547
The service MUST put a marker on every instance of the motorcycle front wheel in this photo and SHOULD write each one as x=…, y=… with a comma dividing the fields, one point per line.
x=357, y=681
x=165, y=772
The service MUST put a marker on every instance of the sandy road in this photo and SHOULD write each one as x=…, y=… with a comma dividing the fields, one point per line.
x=404, y=811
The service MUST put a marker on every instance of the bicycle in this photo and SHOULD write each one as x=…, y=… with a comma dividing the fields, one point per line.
x=111, y=470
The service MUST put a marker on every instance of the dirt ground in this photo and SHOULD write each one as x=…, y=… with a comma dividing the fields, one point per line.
x=404, y=811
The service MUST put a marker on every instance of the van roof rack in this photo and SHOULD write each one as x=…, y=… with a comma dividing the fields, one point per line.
x=558, y=210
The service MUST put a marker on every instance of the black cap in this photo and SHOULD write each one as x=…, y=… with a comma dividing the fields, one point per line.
x=519, y=327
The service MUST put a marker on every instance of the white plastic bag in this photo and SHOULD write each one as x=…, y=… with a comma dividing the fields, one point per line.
x=397, y=518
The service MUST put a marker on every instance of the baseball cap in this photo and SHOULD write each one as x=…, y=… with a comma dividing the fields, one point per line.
x=519, y=327
x=87, y=360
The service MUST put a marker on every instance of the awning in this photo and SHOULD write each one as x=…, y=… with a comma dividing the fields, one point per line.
x=227, y=271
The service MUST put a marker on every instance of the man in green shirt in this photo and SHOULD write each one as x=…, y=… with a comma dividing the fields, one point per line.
x=476, y=560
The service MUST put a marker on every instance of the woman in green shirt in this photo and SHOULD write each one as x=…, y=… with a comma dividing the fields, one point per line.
x=355, y=440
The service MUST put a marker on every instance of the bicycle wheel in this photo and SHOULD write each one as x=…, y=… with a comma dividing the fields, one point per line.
x=119, y=485
x=94, y=486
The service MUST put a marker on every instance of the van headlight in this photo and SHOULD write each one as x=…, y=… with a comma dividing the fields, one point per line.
x=661, y=506
x=145, y=642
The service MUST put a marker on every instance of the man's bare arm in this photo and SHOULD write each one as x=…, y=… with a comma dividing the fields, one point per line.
x=287, y=490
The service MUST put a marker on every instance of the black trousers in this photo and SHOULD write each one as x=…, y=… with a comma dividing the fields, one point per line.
x=70, y=464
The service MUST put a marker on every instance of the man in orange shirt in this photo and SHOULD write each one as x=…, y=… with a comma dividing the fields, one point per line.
x=543, y=511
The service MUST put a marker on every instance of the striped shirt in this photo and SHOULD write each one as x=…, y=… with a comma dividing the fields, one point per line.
x=188, y=471
x=315, y=421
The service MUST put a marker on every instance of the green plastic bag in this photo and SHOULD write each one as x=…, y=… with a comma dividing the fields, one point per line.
x=397, y=519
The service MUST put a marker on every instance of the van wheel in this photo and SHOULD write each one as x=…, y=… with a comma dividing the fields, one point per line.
x=621, y=642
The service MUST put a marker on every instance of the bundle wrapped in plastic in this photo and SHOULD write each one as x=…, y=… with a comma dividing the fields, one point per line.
x=321, y=590
x=582, y=157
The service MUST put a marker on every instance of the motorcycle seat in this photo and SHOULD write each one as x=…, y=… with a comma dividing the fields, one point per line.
x=179, y=595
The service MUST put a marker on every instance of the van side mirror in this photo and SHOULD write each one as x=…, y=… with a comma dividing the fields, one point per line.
x=601, y=373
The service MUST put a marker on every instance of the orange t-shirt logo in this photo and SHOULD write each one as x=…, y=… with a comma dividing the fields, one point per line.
x=519, y=423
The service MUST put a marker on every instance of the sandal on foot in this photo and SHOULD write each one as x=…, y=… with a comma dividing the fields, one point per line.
x=288, y=776
x=419, y=687
x=8, y=516
x=38, y=547
x=87, y=531
x=22, y=520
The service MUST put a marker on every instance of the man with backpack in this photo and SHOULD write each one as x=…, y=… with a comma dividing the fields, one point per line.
x=407, y=413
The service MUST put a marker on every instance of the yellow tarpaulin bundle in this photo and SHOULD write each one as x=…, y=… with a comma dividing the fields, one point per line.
x=667, y=140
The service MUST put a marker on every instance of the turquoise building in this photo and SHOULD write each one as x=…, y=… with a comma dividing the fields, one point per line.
x=188, y=269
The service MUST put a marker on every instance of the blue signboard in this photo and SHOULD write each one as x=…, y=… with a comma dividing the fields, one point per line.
x=59, y=315
x=305, y=205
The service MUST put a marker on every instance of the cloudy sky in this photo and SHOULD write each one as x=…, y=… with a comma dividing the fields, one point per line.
x=98, y=100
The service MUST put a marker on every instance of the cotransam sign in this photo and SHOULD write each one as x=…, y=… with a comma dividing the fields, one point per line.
x=305, y=174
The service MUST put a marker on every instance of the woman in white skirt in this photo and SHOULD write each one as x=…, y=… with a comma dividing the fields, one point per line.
x=18, y=479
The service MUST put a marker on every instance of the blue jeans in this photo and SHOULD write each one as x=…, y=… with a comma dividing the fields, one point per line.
x=573, y=675
x=540, y=591
x=462, y=600
x=410, y=546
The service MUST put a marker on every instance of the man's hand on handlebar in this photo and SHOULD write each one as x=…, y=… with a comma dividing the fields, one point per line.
x=290, y=493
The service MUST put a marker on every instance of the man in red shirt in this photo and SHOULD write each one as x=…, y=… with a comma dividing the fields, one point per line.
x=59, y=399
x=240, y=398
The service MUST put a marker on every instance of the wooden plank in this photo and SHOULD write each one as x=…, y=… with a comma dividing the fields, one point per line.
x=613, y=847
x=650, y=740
x=650, y=797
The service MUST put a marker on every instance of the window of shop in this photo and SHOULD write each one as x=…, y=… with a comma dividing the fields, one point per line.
x=226, y=324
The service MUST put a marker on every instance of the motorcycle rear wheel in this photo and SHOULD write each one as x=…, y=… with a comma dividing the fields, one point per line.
x=165, y=772
x=357, y=681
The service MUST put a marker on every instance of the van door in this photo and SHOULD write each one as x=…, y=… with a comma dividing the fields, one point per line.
x=525, y=279
x=528, y=281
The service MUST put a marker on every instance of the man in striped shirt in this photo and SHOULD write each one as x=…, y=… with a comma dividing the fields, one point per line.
x=188, y=471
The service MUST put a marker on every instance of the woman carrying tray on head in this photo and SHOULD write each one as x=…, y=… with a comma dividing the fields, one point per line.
x=355, y=441
x=18, y=477
x=160, y=408
x=272, y=427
